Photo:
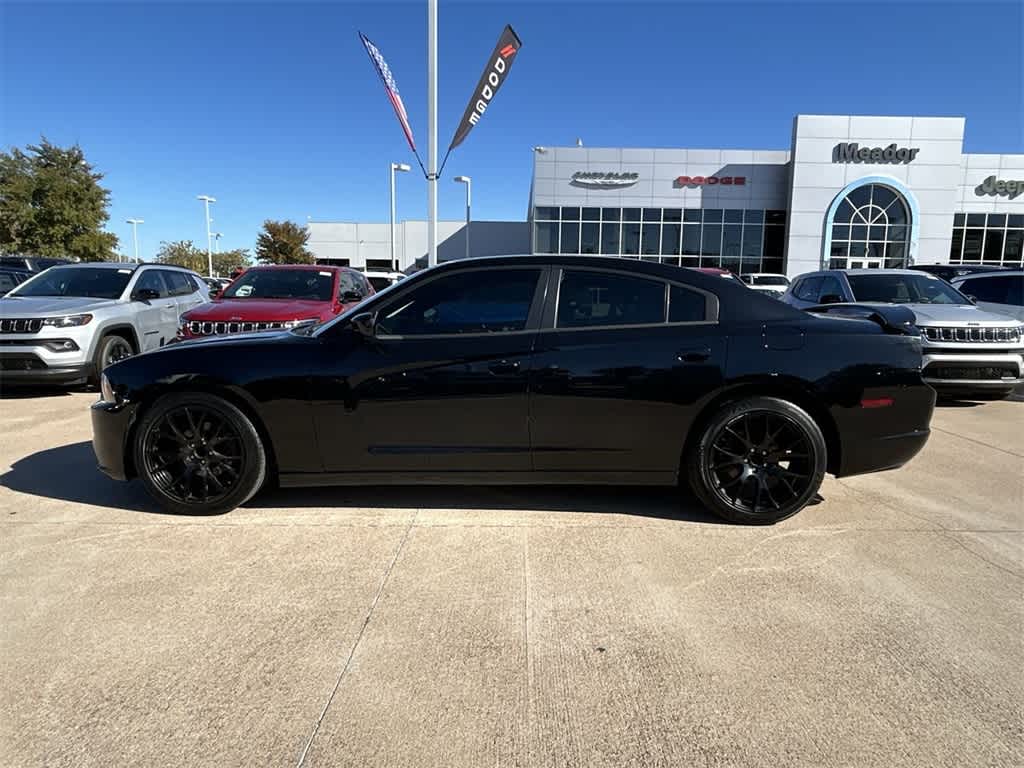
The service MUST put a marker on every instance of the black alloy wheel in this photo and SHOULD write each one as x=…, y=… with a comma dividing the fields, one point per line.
x=759, y=461
x=199, y=454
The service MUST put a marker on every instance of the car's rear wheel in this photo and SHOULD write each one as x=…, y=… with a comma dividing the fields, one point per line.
x=198, y=454
x=758, y=461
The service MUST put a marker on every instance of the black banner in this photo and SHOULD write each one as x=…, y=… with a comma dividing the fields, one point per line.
x=494, y=75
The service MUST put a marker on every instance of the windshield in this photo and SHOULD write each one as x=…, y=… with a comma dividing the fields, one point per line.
x=282, y=284
x=90, y=282
x=769, y=280
x=904, y=289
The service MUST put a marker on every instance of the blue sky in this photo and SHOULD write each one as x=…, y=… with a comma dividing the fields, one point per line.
x=274, y=108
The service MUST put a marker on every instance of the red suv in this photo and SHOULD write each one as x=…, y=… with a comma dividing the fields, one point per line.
x=264, y=298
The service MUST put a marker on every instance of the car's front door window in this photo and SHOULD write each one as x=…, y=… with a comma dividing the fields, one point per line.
x=477, y=301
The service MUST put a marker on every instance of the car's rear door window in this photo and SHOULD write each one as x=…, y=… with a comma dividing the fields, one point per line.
x=993, y=289
x=178, y=283
x=686, y=306
x=593, y=299
x=476, y=301
x=807, y=289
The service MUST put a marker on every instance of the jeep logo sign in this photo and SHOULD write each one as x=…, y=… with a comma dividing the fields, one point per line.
x=855, y=153
x=994, y=186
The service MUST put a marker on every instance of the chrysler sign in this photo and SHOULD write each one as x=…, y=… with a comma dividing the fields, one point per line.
x=603, y=180
x=855, y=153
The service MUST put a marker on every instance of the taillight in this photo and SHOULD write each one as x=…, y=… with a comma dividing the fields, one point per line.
x=876, y=402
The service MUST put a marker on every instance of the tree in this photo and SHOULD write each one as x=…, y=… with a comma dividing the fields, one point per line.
x=283, y=242
x=184, y=254
x=52, y=204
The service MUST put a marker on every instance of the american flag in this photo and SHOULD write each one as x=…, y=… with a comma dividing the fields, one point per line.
x=390, y=86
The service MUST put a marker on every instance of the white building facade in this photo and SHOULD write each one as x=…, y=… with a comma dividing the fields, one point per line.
x=850, y=192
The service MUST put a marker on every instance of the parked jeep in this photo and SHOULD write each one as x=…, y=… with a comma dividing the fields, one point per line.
x=67, y=324
x=967, y=351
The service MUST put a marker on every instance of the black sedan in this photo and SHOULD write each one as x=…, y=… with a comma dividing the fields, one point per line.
x=528, y=369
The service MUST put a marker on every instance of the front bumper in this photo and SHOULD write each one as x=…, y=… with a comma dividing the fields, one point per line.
x=973, y=369
x=25, y=368
x=111, y=423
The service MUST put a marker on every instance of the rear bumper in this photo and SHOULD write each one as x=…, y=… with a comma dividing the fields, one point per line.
x=110, y=425
x=882, y=453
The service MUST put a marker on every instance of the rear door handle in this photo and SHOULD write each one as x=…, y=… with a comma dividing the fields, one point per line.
x=696, y=355
x=504, y=366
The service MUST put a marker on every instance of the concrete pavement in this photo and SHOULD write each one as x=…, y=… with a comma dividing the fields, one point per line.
x=532, y=627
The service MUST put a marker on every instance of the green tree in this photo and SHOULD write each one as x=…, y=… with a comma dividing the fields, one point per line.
x=52, y=204
x=184, y=253
x=283, y=242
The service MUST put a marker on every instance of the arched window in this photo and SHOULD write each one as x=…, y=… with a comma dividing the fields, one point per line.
x=871, y=228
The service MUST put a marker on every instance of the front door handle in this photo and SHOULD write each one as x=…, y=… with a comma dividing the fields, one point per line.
x=697, y=355
x=504, y=367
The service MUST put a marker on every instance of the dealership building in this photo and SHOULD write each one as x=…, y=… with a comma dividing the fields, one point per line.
x=849, y=192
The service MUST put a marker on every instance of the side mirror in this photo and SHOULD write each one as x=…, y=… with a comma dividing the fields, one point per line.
x=830, y=298
x=351, y=297
x=145, y=294
x=365, y=324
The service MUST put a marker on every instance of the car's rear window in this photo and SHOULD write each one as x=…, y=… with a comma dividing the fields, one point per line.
x=308, y=284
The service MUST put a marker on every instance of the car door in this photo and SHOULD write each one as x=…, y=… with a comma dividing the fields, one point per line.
x=440, y=386
x=184, y=289
x=619, y=363
x=156, y=318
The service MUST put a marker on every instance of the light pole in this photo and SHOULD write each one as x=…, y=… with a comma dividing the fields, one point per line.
x=135, y=235
x=403, y=168
x=469, y=200
x=209, y=254
x=431, y=132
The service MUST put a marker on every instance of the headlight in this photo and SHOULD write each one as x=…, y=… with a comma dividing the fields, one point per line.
x=300, y=323
x=68, y=321
x=106, y=391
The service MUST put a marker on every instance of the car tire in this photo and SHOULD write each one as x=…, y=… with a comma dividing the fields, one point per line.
x=757, y=461
x=111, y=349
x=198, y=454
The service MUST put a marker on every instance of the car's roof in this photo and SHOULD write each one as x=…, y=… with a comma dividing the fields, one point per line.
x=310, y=267
x=994, y=273
x=763, y=274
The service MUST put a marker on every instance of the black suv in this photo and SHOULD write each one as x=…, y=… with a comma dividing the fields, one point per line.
x=31, y=263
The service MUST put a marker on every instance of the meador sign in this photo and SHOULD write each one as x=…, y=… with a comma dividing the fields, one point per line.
x=855, y=153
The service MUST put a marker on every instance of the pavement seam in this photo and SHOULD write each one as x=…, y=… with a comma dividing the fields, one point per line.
x=359, y=638
x=978, y=442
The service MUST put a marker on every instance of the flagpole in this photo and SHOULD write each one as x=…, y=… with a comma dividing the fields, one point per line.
x=431, y=132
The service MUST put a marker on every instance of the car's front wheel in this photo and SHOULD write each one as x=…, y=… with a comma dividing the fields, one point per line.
x=758, y=461
x=198, y=454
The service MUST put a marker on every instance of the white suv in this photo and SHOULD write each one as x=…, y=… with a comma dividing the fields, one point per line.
x=67, y=324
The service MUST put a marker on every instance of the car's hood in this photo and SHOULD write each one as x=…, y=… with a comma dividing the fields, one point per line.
x=278, y=310
x=955, y=314
x=49, y=306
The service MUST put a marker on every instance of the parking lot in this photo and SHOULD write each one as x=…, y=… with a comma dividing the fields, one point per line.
x=485, y=626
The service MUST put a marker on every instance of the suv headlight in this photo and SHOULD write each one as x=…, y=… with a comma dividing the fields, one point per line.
x=68, y=321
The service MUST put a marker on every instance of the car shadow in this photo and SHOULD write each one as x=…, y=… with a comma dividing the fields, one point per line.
x=8, y=392
x=69, y=473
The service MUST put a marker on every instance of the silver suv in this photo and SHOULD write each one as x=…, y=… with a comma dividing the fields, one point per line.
x=966, y=349
x=68, y=323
